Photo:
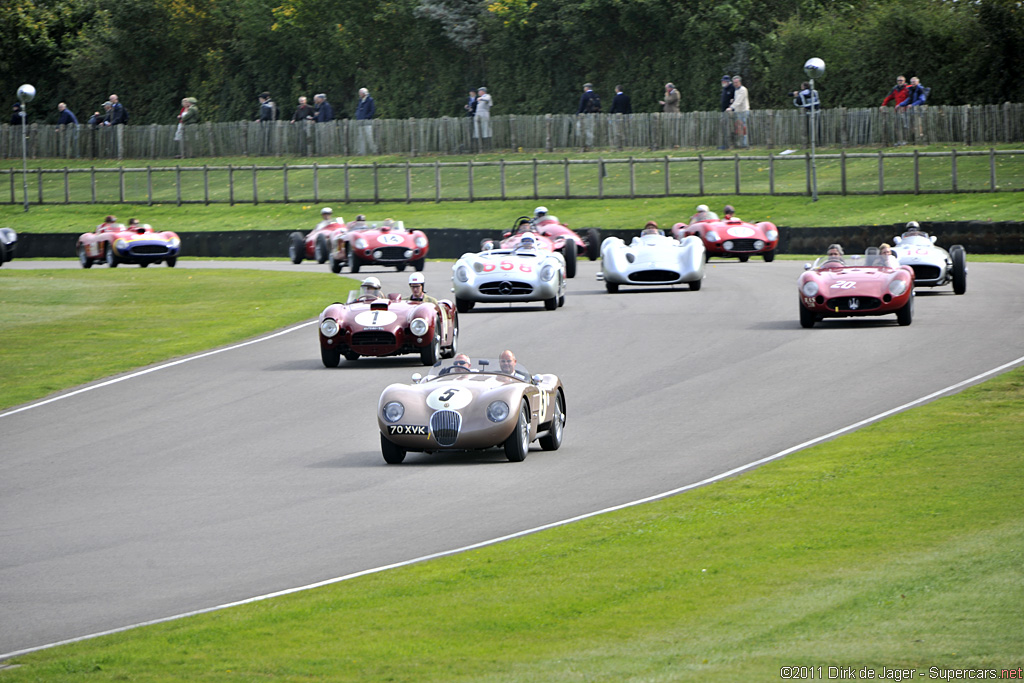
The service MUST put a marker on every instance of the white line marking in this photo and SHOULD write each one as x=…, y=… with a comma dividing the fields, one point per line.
x=154, y=369
x=527, y=532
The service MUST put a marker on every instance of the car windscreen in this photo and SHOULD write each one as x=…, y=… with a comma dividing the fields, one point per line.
x=451, y=367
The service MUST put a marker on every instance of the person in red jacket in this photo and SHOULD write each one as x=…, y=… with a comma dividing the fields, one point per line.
x=899, y=95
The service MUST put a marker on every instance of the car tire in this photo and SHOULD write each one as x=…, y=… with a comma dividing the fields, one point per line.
x=959, y=256
x=695, y=285
x=569, y=252
x=171, y=261
x=401, y=267
x=82, y=258
x=330, y=357
x=462, y=305
x=334, y=263
x=144, y=264
x=561, y=301
x=593, y=244
x=518, y=442
x=430, y=354
x=321, y=251
x=296, y=247
x=110, y=256
x=612, y=287
x=807, y=318
x=769, y=256
x=454, y=348
x=551, y=304
x=905, y=315
x=355, y=263
x=744, y=258
x=350, y=355
x=393, y=453
x=418, y=264
x=553, y=440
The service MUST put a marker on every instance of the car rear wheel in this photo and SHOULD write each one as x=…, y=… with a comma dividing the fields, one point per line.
x=454, y=349
x=518, y=442
x=321, y=250
x=335, y=263
x=553, y=440
x=561, y=301
x=612, y=287
x=569, y=252
x=393, y=454
x=111, y=256
x=430, y=354
x=807, y=318
x=695, y=285
x=82, y=257
x=296, y=247
x=959, y=255
x=769, y=256
x=330, y=357
x=593, y=243
x=905, y=315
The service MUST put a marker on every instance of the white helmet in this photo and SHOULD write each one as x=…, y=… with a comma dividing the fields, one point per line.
x=370, y=287
x=540, y=211
x=326, y=211
x=913, y=225
x=702, y=207
x=417, y=279
x=527, y=242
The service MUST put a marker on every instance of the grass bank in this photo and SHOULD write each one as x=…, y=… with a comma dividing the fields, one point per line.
x=59, y=329
x=895, y=547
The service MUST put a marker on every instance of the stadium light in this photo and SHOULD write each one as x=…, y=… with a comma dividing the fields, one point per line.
x=814, y=68
x=26, y=93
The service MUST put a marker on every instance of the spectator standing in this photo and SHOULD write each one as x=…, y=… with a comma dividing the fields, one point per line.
x=728, y=92
x=303, y=112
x=16, y=118
x=470, y=106
x=590, y=103
x=917, y=95
x=621, y=104
x=67, y=117
x=741, y=106
x=96, y=119
x=268, y=110
x=107, y=112
x=808, y=102
x=670, y=105
x=898, y=96
x=365, y=111
x=482, y=119
x=118, y=114
x=322, y=110
x=67, y=128
x=187, y=115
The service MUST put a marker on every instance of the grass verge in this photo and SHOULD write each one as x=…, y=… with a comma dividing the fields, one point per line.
x=895, y=547
x=59, y=329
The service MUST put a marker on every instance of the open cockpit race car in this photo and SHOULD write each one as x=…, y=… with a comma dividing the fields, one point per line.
x=463, y=404
x=933, y=266
x=840, y=286
x=316, y=246
x=553, y=235
x=526, y=272
x=652, y=259
x=8, y=244
x=373, y=325
x=384, y=243
x=115, y=243
x=730, y=237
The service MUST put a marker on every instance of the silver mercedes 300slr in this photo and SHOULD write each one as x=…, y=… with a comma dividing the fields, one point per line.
x=464, y=404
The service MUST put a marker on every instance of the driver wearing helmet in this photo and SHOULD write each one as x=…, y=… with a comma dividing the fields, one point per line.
x=913, y=228
x=369, y=290
x=527, y=242
x=541, y=215
x=650, y=229
x=326, y=217
x=416, y=282
x=703, y=214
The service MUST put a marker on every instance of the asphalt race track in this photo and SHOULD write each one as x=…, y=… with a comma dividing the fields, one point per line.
x=257, y=469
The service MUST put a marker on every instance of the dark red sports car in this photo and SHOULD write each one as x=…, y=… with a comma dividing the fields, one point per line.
x=732, y=238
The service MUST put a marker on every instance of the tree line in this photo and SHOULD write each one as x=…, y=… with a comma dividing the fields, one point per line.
x=420, y=57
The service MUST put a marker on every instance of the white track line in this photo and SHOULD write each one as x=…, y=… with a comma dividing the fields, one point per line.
x=133, y=375
x=519, y=534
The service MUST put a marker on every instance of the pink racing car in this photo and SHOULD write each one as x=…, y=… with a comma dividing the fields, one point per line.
x=837, y=286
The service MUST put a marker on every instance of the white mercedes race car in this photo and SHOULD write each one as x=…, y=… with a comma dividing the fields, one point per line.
x=652, y=259
x=933, y=266
x=508, y=275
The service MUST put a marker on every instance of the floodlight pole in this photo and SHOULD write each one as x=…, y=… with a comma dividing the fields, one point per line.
x=26, y=93
x=814, y=164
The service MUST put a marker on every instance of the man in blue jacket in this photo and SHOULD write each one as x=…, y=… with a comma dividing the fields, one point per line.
x=322, y=112
x=917, y=95
x=364, y=113
x=590, y=103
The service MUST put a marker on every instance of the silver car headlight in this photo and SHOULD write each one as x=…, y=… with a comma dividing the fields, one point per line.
x=897, y=287
x=772, y=235
x=120, y=244
x=393, y=411
x=497, y=411
x=361, y=243
x=420, y=241
x=329, y=327
x=758, y=244
x=728, y=245
x=712, y=236
x=810, y=288
x=174, y=243
x=462, y=274
x=378, y=254
x=419, y=327
x=547, y=272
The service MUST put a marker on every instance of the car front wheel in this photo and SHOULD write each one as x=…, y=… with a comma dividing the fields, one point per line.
x=905, y=315
x=430, y=354
x=393, y=454
x=807, y=318
x=959, y=256
x=321, y=250
x=330, y=357
x=695, y=285
x=83, y=258
x=569, y=252
x=296, y=247
x=593, y=244
x=518, y=442
x=111, y=256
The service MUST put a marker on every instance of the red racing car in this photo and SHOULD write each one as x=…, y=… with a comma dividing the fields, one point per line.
x=316, y=246
x=372, y=325
x=385, y=243
x=114, y=243
x=551, y=235
x=838, y=286
x=731, y=238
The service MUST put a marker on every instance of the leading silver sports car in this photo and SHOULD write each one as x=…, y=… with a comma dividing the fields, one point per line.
x=469, y=405
x=652, y=259
x=524, y=273
x=933, y=266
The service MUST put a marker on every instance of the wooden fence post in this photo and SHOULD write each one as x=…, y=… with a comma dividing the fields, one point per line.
x=437, y=182
x=548, y=144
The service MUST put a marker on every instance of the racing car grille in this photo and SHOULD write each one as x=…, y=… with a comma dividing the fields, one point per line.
x=927, y=272
x=445, y=425
x=391, y=253
x=653, y=276
x=373, y=338
x=506, y=288
x=854, y=303
x=742, y=244
x=148, y=249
